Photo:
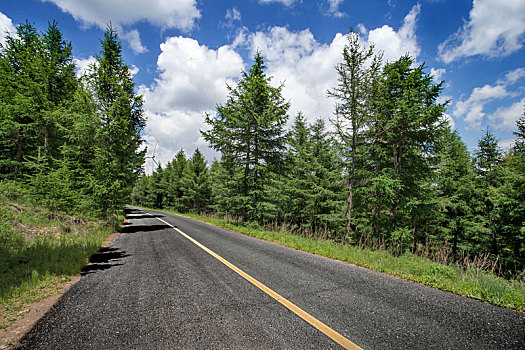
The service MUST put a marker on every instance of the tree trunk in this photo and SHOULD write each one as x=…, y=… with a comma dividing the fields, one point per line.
x=397, y=155
x=245, y=181
x=348, y=228
x=256, y=174
x=455, y=244
x=46, y=136
x=20, y=141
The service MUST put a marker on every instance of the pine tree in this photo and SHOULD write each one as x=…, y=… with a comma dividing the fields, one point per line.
x=407, y=126
x=226, y=180
x=157, y=187
x=311, y=184
x=249, y=128
x=78, y=127
x=358, y=74
x=60, y=85
x=117, y=161
x=512, y=213
x=140, y=191
x=455, y=180
x=501, y=187
x=328, y=187
x=22, y=99
x=196, y=185
x=174, y=178
x=296, y=190
x=488, y=157
x=519, y=145
x=38, y=87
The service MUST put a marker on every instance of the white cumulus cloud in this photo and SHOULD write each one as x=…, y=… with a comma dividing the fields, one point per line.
x=333, y=8
x=437, y=74
x=396, y=44
x=306, y=67
x=180, y=14
x=82, y=64
x=495, y=28
x=192, y=81
x=6, y=27
x=504, y=118
x=473, y=108
x=133, y=38
x=192, y=76
x=284, y=2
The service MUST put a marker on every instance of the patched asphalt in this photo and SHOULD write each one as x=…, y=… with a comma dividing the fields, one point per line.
x=154, y=289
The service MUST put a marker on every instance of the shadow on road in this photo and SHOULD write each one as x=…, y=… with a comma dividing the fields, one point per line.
x=104, y=259
x=132, y=213
x=128, y=210
x=143, y=228
x=142, y=216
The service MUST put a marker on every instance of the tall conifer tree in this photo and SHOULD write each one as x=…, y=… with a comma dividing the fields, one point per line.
x=488, y=157
x=117, y=160
x=22, y=100
x=407, y=126
x=354, y=93
x=249, y=128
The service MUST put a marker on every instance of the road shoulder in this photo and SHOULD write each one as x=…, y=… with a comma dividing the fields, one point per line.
x=32, y=312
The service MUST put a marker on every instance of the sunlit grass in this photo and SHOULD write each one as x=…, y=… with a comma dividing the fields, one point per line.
x=38, y=251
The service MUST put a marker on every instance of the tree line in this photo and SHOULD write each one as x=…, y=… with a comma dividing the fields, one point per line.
x=388, y=171
x=71, y=143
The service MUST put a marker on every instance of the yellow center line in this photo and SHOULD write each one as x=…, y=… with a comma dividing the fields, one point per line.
x=335, y=336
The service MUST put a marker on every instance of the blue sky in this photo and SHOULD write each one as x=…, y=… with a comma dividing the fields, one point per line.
x=183, y=53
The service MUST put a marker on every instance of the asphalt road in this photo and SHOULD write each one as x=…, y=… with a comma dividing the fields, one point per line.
x=153, y=288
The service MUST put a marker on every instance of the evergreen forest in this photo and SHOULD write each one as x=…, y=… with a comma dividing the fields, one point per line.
x=387, y=171
x=70, y=143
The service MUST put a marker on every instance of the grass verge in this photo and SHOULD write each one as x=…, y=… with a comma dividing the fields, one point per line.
x=472, y=283
x=38, y=251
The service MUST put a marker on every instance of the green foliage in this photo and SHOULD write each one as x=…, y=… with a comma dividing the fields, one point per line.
x=73, y=146
x=454, y=176
x=196, y=187
x=116, y=162
x=355, y=92
x=226, y=181
x=249, y=129
x=392, y=175
x=22, y=96
x=408, y=124
x=183, y=185
x=310, y=188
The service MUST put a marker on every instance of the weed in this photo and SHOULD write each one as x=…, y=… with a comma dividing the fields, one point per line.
x=38, y=250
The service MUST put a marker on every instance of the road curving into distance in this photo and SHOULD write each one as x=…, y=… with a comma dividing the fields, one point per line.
x=170, y=282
